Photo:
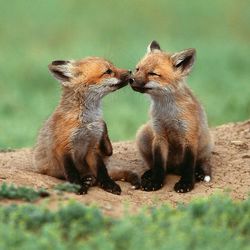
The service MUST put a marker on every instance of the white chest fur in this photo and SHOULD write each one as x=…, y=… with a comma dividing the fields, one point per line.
x=166, y=115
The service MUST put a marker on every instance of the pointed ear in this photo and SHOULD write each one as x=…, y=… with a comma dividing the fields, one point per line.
x=62, y=71
x=153, y=46
x=184, y=60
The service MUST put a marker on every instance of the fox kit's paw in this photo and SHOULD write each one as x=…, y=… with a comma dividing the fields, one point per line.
x=201, y=176
x=83, y=190
x=183, y=186
x=135, y=181
x=136, y=185
x=148, y=183
x=110, y=186
x=86, y=182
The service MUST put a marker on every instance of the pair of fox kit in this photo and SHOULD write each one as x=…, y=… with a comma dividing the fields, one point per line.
x=74, y=142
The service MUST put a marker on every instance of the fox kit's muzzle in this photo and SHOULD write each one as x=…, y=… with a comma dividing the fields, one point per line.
x=138, y=85
x=124, y=79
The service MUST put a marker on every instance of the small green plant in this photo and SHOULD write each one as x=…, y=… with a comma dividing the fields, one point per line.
x=213, y=223
x=8, y=150
x=68, y=187
x=24, y=193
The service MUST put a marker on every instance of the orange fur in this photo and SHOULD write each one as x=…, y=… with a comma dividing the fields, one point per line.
x=75, y=138
x=178, y=122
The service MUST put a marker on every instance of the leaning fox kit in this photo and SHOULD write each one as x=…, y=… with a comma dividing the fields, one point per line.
x=177, y=137
x=74, y=141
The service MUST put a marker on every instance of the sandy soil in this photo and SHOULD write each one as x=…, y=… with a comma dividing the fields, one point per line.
x=230, y=164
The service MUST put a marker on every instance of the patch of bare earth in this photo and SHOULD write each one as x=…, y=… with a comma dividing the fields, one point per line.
x=230, y=164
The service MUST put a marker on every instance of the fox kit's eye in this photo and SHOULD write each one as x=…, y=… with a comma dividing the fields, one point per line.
x=153, y=74
x=137, y=69
x=108, y=72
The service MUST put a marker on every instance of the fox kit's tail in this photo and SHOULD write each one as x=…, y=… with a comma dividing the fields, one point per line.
x=126, y=175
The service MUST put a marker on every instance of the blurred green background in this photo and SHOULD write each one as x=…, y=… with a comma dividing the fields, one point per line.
x=33, y=33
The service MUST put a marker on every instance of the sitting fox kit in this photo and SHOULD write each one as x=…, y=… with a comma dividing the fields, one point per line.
x=177, y=138
x=74, y=142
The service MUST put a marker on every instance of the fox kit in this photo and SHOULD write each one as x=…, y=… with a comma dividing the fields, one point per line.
x=177, y=138
x=74, y=141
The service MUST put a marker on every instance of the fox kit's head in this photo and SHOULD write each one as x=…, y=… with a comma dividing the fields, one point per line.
x=92, y=74
x=160, y=72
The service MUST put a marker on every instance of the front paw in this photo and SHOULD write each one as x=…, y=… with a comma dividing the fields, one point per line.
x=148, y=175
x=86, y=182
x=148, y=183
x=110, y=186
x=83, y=190
x=183, y=186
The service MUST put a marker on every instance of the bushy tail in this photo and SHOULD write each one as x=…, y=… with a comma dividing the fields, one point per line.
x=126, y=175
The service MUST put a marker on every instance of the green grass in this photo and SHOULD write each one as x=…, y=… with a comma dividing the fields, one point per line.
x=10, y=191
x=214, y=223
x=67, y=187
x=33, y=33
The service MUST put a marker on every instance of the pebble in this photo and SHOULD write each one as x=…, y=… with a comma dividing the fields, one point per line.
x=207, y=178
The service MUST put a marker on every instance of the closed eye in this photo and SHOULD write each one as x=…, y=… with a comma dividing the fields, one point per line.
x=108, y=72
x=153, y=74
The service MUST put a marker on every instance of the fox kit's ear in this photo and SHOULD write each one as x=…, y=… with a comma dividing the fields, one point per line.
x=184, y=60
x=153, y=46
x=62, y=71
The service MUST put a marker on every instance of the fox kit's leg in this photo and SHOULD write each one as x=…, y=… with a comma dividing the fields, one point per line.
x=117, y=174
x=72, y=174
x=154, y=151
x=97, y=165
x=105, y=144
x=153, y=179
x=187, y=168
x=144, y=141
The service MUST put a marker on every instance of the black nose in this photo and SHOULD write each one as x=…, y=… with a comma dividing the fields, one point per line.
x=131, y=80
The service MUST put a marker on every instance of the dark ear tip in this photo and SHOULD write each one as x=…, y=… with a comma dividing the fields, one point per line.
x=59, y=62
x=154, y=45
x=192, y=51
x=154, y=42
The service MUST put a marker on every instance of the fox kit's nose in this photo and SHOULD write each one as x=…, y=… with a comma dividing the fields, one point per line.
x=131, y=80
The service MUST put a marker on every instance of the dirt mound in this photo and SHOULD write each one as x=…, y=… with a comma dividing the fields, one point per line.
x=230, y=165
